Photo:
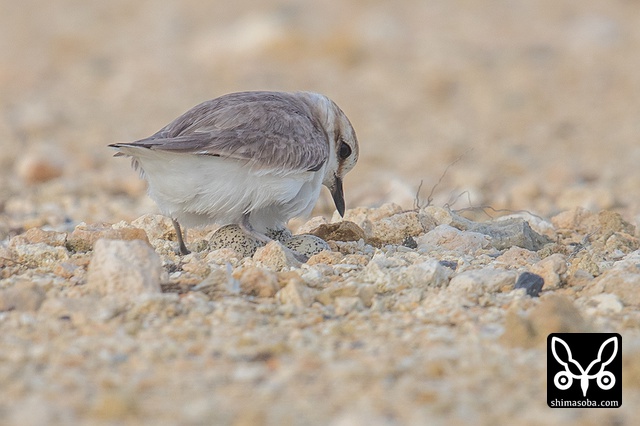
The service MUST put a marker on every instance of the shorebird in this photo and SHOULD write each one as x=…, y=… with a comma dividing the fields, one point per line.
x=255, y=159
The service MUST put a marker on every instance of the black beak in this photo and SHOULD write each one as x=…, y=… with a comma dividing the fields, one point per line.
x=338, y=195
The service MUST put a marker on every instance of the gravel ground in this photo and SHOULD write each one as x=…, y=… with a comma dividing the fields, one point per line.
x=520, y=120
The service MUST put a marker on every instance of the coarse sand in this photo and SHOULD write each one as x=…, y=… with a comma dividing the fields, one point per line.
x=499, y=146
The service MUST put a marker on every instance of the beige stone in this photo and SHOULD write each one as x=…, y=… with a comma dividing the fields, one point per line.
x=552, y=269
x=24, y=296
x=482, y=281
x=257, y=281
x=518, y=257
x=124, y=268
x=276, y=257
x=84, y=236
x=453, y=239
x=296, y=293
x=38, y=235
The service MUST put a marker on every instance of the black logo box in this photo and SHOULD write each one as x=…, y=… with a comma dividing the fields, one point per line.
x=584, y=370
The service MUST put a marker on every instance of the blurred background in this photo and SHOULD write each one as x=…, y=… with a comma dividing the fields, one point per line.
x=539, y=101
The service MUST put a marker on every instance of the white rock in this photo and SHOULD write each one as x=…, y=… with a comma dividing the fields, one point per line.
x=538, y=224
x=483, y=281
x=383, y=271
x=220, y=278
x=623, y=283
x=450, y=238
x=296, y=293
x=429, y=273
x=441, y=215
x=622, y=280
x=124, y=268
x=631, y=258
x=316, y=275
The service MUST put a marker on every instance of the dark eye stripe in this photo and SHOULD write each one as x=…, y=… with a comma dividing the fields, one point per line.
x=345, y=150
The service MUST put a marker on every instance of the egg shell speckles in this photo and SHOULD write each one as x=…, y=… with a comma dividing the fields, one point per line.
x=281, y=235
x=306, y=244
x=231, y=236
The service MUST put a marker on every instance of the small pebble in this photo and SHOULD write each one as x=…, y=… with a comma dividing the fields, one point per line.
x=410, y=242
x=532, y=283
x=451, y=264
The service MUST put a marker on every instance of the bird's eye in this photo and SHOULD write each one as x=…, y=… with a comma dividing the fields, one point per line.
x=345, y=150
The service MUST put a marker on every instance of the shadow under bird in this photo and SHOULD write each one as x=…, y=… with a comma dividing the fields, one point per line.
x=255, y=159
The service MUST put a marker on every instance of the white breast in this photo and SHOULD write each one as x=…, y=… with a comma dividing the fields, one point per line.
x=198, y=190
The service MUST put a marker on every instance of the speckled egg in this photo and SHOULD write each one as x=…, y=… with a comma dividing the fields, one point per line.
x=306, y=244
x=231, y=236
x=281, y=235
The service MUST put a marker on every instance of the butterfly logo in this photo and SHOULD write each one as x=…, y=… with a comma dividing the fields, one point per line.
x=564, y=379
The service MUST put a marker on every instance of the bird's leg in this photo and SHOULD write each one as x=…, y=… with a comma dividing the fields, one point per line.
x=182, y=247
x=248, y=229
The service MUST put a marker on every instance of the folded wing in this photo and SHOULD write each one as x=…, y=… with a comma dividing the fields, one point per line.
x=270, y=131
